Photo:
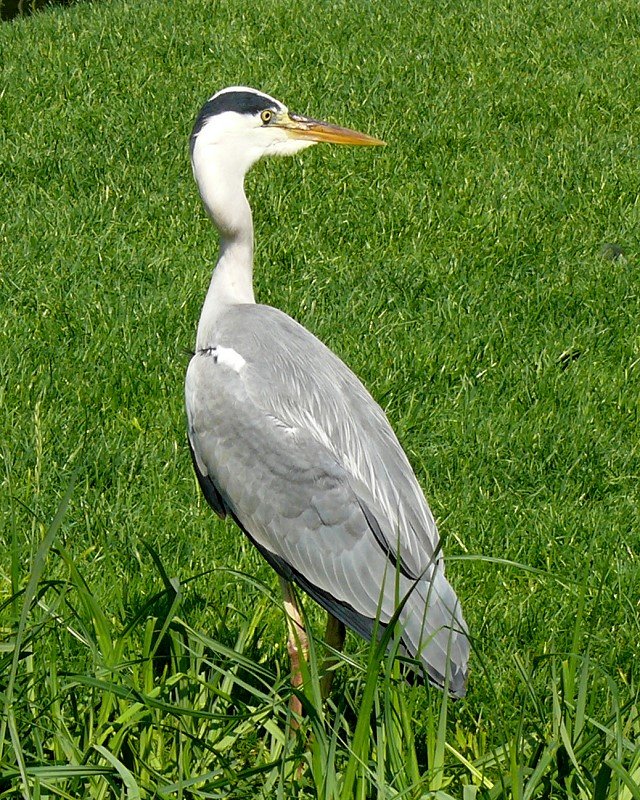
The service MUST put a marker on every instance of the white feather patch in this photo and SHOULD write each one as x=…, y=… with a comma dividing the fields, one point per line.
x=226, y=356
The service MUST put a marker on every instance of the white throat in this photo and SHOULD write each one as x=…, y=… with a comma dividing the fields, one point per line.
x=222, y=152
x=220, y=174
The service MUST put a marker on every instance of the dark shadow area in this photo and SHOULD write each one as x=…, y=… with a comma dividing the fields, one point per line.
x=10, y=9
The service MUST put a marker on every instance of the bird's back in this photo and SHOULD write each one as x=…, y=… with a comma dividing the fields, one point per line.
x=292, y=375
x=305, y=421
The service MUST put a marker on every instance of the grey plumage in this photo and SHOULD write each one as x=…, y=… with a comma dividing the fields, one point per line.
x=287, y=440
x=302, y=456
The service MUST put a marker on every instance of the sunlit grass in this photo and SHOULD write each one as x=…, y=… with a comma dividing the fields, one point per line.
x=460, y=271
x=162, y=709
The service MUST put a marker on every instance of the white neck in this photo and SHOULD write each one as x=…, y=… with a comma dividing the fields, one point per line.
x=220, y=178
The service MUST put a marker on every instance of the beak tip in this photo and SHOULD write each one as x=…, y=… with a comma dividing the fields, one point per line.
x=317, y=131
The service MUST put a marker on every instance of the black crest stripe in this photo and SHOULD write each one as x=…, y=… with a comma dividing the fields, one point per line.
x=241, y=102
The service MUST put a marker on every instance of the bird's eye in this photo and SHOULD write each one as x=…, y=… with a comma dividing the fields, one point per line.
x=266, y=116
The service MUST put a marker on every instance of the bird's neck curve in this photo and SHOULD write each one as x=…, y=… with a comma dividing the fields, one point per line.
x=220, y=179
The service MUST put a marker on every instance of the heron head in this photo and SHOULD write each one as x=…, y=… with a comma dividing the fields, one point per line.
x=243, y=125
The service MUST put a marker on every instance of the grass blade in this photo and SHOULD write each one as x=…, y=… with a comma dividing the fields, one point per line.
x=133, y=790
x=37, y=570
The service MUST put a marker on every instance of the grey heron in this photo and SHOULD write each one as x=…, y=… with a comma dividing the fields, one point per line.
x=286, y=440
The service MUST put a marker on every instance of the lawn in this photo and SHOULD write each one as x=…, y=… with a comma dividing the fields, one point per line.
x=480, y=274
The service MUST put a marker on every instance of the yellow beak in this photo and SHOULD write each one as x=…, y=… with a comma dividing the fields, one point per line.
x=314, y=130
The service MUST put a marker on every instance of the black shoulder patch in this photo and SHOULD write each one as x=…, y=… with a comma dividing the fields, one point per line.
x=209, y=489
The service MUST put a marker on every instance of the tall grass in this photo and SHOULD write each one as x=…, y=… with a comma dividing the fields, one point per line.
x=479, y=273
x=153, y=707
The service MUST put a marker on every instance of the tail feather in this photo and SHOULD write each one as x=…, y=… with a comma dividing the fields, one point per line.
x=434, y=631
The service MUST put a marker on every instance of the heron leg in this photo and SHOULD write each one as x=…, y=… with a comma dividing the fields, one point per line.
x=297, y=643
x=334, y=637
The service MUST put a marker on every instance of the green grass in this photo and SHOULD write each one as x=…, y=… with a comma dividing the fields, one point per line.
x=459, y=271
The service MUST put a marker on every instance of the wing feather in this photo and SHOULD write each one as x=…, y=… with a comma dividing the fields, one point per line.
x=293, y=446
